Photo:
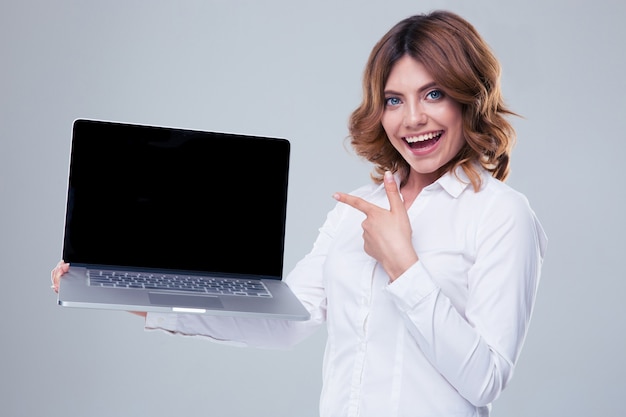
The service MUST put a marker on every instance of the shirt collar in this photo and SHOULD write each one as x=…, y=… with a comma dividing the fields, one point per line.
x=453, y=182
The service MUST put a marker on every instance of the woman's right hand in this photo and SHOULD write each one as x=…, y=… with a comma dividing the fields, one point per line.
x=56, y=274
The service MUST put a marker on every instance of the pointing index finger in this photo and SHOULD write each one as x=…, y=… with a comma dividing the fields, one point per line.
x=355, y=202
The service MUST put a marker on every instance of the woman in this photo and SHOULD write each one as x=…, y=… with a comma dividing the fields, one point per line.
x=426, y=278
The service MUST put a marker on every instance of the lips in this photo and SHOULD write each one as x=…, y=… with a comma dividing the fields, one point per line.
x=424, y=140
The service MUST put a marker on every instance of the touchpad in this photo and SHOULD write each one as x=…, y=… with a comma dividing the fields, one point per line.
x=179, y=300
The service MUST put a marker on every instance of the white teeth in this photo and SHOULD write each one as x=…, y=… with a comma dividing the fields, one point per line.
x=422, y=138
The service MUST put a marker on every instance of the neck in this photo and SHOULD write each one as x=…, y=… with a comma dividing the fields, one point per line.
x=415, y=183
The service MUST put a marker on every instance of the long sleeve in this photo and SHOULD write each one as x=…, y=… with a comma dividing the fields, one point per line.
x=475, y=347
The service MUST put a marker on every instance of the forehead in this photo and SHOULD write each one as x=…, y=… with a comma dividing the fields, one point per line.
x=408, y=72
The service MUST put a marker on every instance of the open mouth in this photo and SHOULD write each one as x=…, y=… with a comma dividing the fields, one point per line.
x=423, y=141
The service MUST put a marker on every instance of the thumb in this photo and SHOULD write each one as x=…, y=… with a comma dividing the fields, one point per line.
x=393, y=193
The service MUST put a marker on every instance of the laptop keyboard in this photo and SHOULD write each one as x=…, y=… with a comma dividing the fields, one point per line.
x=171, y=282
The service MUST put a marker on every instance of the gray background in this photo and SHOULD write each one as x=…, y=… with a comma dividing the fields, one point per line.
x=293, y=69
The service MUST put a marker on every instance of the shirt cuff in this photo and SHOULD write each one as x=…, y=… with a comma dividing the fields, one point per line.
x=162, y=321
x=193, y=325
x=410, y=288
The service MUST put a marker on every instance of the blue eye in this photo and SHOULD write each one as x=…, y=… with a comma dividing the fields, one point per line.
x=434, y=94
x=392, y=101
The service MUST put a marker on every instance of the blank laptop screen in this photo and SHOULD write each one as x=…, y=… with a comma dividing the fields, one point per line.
x=176, y=199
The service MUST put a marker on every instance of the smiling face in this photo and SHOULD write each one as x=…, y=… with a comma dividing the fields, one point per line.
x=421, y=121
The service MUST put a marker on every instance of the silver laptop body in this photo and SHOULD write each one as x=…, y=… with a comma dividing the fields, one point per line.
x=175, y=220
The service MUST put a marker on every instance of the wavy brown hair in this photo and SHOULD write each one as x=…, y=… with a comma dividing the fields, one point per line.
x=463, y=66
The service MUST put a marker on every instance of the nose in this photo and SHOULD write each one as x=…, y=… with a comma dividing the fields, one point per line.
x=414, y=114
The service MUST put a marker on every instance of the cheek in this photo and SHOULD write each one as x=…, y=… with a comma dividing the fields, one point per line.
x=389, y=123
x=458, y=145
x=454, y=120
x=460, y=135
x=384, y=121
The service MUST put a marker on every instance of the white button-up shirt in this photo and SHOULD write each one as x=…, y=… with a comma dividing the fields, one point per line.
x=443, y=338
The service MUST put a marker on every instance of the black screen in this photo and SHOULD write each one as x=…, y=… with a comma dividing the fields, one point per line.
x=176, y=199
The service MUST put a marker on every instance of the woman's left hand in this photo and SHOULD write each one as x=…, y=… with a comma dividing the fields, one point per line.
x=386, y=233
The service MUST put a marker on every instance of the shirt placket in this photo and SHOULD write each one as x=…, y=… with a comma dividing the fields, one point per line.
x=356, y=386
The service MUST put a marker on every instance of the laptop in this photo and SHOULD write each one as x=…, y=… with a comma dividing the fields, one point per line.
x=175, y=220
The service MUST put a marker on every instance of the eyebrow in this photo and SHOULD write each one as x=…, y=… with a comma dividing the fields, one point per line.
x=423, y=88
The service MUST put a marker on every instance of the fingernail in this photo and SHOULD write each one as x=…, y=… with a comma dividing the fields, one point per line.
x=336, y=196
x=388, y=176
